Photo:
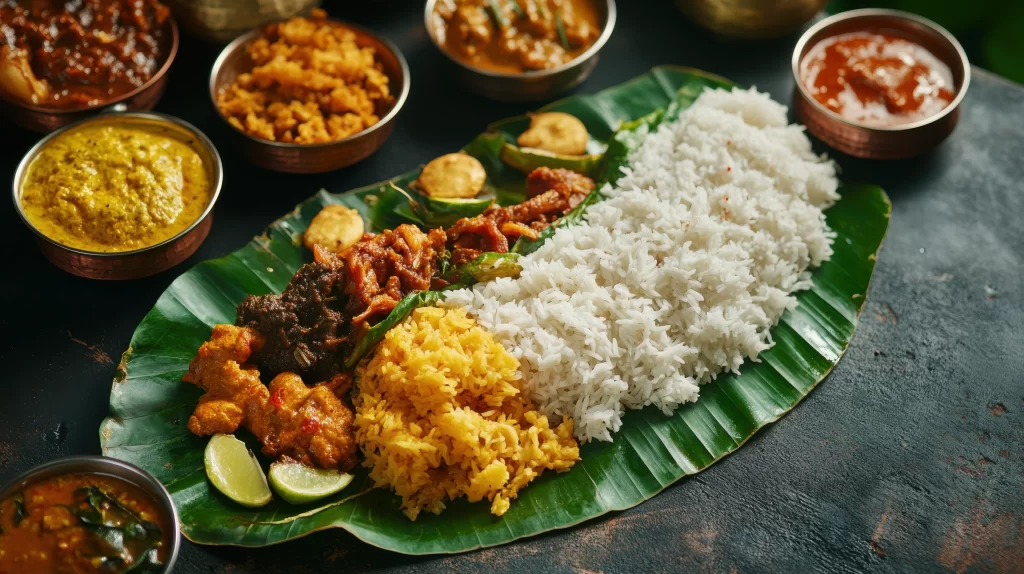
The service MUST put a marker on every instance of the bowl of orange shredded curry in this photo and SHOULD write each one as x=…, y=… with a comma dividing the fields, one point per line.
x=309, y=95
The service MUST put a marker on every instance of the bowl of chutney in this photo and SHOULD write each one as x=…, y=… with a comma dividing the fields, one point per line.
x=87, y=514
x=879, y=84
x=119, y=195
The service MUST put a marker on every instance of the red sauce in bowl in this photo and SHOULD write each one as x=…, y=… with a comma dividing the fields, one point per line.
x=876, y=79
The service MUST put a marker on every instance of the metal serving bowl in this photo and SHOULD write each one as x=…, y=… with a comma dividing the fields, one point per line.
x=110, y=467
x=314, y=158
x=221, y=21
x=44, y=119
x=896, y=142
x=751, y=18
x=533, y=85
x=140, y=262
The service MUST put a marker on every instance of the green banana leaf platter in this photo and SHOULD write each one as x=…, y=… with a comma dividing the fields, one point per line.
x=150, y=406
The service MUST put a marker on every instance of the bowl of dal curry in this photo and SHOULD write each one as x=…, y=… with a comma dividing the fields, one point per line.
x=119, y=195
x=309, y=95
x=520, y=50
x=87, y=514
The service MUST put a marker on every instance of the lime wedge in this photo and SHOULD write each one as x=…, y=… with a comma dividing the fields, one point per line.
x=299, y=484
x=234, y=470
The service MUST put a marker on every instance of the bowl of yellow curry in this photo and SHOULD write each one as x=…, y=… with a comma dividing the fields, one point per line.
x=119, y=195
x=85, y=515
x=520, y=50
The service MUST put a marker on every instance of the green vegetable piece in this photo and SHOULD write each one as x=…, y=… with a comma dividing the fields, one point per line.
x=497, y=14
x=442, y=212
x=529, y=159
x=561, y=29
x=517, y=8
x=122, y=540
x=486, y=267
x=19, y=508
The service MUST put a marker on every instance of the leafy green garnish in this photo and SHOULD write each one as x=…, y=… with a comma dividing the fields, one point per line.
x=517, y=8
x=121, y=540
x=497, y=14
x=19, y=508
x=561, y=29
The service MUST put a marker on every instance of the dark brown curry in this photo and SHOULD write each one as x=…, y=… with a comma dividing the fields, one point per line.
x=514, y=36
x=80, y=524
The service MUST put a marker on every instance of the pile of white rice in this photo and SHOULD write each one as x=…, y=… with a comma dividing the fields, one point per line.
x=675, y=278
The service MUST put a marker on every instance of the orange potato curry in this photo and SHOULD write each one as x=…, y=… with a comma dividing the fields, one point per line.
x=81, y=523
x=515, y=36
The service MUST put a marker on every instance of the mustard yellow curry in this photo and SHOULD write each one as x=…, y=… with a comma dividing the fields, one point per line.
x=110, y=188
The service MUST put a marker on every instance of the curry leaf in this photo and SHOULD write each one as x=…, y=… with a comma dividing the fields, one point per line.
x=652, y=450
x=19, y=508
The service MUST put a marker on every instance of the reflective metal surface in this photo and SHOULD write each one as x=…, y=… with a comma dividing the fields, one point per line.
x=751, y=18
x=140, y=262
x=221, y=21
x=110, y=467
x=897, y=142
x=527, y=86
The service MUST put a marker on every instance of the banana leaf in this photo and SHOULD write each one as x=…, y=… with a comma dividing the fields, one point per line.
x=150, y=406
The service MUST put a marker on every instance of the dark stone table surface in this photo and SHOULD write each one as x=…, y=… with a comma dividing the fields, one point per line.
x=907, y=458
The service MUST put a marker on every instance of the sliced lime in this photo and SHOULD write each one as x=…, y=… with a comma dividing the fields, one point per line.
x=234, y=470
x=299, y=484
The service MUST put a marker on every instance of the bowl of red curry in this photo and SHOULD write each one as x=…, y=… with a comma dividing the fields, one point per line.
x=63, y=61
x=87, y=514
x=879, y=84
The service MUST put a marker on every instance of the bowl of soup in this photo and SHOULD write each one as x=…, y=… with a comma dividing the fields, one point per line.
x=64, y=61
x=119, y=195
x=87, y=514
x=879, y=84
x=520, y=50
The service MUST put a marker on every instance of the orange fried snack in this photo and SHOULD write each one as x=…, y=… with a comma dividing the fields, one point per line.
x=310, y=83
x=310, y=424
x=234, y=392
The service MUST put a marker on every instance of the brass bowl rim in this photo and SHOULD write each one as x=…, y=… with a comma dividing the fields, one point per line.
x=247, y=37
x=126, y=118
x=606, y=33
x=105, y=465
x=798, y=54
x=159, y=75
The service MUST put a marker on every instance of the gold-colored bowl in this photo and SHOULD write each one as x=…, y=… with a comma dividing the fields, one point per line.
x=321, y=157
x=140, y=262
x=751, y=18
x=896, y=142
x=534, y=85
x=220, y=21
x=44, y=119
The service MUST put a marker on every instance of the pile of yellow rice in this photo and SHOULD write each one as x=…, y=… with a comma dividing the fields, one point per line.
x=441, y=414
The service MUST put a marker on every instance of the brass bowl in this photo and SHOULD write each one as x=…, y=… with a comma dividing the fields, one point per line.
x=534, y=85
x=896, y=142
x=110, y=467
x=322, y=157
x=43, y=119
x=751, y=19
x=140, y=262
x=221, y=21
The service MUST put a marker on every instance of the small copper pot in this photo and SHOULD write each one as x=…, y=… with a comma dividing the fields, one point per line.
x=534, y=85
x=314, y=158
x=43, y=119
x=896, y=142
x=140, y=262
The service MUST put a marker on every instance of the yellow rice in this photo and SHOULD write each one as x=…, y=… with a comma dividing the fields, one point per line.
x=441, y=414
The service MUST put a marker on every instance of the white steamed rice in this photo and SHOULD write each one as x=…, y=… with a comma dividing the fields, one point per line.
x=675, y=278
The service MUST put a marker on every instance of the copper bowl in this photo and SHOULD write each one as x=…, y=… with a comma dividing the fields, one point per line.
x=146, y=482
x=896, y=142
x=534, y=85
x=314, y=158
x=751, y=18
x=221, y=21
x=43, y=119
x=140, y=262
